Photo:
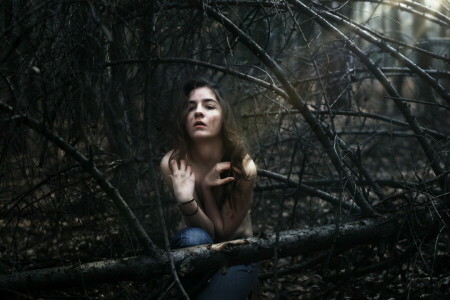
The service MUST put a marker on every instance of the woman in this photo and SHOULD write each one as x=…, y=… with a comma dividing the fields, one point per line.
x=211, y=177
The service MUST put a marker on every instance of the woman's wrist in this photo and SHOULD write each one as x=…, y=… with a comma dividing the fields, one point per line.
x=187, y=208
x=186, y=202
x=184, y=198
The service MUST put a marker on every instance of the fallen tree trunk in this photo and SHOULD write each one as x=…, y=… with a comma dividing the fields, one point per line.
x=201, y=258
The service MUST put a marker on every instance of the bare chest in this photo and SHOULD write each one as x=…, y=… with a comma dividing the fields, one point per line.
x=200, y=174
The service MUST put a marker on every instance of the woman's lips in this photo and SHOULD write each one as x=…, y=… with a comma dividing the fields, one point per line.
x=199, y=125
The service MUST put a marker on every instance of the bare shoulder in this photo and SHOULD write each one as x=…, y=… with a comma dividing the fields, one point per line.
x=249, y=166
x=165, y=169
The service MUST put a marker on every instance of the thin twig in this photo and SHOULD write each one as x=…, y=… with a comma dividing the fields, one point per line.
x=308, y=189
x=90, y=167
x=295, y=100
x=426, y=146
x=173, y=270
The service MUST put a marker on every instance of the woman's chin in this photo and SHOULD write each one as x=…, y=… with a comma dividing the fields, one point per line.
x=203, y=136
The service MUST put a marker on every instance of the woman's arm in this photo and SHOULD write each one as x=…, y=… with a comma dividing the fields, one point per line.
x=181, y=182
x=227, y=220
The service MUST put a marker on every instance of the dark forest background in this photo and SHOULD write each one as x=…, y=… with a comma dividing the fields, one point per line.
x=344, y=106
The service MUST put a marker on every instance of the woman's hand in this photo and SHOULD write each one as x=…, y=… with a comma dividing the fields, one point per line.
x=213, y=177
x=183, y=180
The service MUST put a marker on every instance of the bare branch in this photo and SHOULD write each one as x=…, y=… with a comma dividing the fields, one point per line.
x=335, y=201
x=434, y=133
x=430, y=153
x=415, y=8
x=297, y=102
x=90, y=167
x=367, y=35
x=225, y=70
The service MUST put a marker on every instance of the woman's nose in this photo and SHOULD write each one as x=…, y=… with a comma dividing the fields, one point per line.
x=198, y=112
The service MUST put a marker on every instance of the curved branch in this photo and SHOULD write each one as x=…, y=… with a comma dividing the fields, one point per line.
x=400, y=43
x=438, y=18
x=434, y=133
x=415, y=8
x=104, y=183
x=335, y=201
x=405, y=5
x=296, y=101
x=367, y=35
x=387, y=70
x=225, y=70
x=364, y=59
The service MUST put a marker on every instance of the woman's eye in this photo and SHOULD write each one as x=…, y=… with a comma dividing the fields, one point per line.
x=191, y=108
x=210, y=107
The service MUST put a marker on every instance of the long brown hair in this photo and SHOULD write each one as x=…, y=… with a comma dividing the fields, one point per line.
x=235, y=149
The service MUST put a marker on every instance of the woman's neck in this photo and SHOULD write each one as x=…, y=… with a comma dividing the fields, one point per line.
x=207, y=152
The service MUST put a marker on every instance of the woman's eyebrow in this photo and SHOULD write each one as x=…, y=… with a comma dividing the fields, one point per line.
x=209, y=100
x=203, y=100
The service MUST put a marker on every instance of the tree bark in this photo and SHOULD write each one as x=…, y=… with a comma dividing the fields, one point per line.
x=207, y=257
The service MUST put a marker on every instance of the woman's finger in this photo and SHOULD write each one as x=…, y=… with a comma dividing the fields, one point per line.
x=182, y=165
x=224, y=180
x=174, y=165
x=222, y=166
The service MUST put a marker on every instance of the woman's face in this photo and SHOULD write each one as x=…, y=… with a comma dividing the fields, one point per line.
x=205, y=117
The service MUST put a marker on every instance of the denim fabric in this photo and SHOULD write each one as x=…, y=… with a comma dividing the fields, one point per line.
x=234, y=282
x=189, y=237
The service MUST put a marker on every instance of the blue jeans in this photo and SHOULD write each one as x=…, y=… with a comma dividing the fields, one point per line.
x=234, y=282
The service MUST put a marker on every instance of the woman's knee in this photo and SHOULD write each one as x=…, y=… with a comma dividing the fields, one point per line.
x=189, y=237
